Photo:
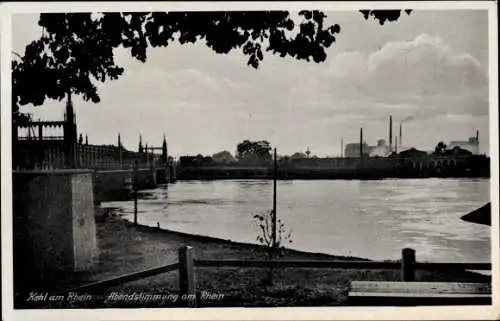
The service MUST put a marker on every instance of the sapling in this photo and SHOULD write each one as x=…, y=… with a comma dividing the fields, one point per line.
x=272, y=250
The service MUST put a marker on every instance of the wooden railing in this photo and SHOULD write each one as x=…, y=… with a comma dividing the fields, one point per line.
x=187, y=264
x=101, y=285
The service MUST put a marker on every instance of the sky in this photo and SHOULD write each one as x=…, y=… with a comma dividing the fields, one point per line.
x=429, y=70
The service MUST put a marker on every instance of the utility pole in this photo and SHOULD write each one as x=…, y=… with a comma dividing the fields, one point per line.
x=134, y=189
x=274, y=196
x=390, y=134
x=361, y=143
x=120, y=151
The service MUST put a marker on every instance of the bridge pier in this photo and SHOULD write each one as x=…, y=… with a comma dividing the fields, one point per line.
x=54, y=226
x=172, y=172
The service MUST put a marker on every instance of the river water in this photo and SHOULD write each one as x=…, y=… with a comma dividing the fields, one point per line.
x=370, y=219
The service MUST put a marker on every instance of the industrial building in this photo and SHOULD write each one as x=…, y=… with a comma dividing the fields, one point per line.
x=382, y=149
x=472, y=144
x=353, y=150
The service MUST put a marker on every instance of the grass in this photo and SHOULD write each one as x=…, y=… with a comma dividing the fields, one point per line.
x=124, y=248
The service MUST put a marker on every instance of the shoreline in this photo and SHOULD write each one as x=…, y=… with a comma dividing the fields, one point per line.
x=212, y=239
x=125, y=248
x=289, y=251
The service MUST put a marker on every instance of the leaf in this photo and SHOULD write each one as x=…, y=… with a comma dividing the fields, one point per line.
x=384, y=15
x=74, y=33
x=306, y=14
x=259, y=54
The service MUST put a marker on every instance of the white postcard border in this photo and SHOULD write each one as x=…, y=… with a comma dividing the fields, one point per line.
x=324, y=313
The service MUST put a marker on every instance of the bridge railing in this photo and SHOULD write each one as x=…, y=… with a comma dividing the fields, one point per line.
x=112, y=157
x=39, y=158
x=30, y=138
x=52, y=157
x=58, y=156
x=91, y=156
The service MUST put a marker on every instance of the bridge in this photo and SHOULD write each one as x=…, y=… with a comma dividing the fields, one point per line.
x=34, y=150
x=52, y=146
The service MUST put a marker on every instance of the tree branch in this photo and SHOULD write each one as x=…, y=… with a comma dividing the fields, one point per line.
x=18, y=55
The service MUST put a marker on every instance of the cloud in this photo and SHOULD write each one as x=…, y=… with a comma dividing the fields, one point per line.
x=187, y=88
x=419, y=78
x=206, y=102
x=347, y=64
x=425, y=66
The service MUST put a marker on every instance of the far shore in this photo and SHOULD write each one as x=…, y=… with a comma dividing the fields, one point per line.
x=125, y=248
x=326, y=175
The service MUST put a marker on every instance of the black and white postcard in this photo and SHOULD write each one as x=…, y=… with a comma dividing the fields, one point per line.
x=249, y=160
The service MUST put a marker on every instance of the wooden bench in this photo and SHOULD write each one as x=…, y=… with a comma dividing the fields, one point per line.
x=377, y=293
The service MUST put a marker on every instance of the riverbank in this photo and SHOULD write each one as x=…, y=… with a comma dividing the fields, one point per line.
x=125, y=248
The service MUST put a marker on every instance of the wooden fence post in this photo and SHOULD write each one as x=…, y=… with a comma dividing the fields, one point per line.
x=187, y=282
x=408, y=265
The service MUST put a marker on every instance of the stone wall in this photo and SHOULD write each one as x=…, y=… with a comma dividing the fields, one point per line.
x=54, y=227
x=84, y=229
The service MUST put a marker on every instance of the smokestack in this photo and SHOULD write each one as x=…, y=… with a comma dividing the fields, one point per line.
x=390, y=134
x=396, y=145
x=361, y=143
x=477, y=142
x=400, y=134
x=341, y=147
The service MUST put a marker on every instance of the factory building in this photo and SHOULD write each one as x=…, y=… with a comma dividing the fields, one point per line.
x=395, y=145
x=353, y=150
x=382, y=149
x=472, y=145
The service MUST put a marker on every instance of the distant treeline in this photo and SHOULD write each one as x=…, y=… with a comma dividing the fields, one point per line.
x=254, y=160
x=337, y=168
